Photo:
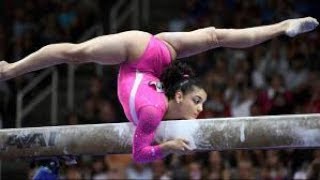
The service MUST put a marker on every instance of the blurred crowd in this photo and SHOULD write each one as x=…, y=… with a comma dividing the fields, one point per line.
x=240, y=164
x=26, y=26
x=281, y=76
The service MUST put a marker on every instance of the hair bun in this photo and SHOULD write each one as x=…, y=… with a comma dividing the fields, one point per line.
x=176, y=73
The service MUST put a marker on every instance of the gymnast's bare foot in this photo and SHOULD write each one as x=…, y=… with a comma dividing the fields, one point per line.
x=300, y=25
x=4, y=71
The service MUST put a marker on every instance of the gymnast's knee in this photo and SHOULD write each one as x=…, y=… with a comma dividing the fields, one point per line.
x=212, y=35
x=5, y=70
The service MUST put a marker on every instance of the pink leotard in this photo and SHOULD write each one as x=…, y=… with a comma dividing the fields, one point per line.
x=142, y=98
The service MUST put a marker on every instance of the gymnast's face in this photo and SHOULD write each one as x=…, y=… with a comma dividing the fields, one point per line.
x=191, y=103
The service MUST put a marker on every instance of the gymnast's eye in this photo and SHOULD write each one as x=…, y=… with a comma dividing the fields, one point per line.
x=196, y=100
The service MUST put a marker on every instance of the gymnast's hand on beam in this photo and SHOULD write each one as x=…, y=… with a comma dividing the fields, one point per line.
x=176, y=146
x=300, y=25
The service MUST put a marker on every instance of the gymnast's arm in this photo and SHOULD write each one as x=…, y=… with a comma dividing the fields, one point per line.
x=190, y=43
x=143, y=149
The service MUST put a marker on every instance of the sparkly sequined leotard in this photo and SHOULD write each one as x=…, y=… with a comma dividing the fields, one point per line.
x=142, y=98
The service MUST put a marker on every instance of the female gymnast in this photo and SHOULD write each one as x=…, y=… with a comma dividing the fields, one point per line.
x=146, y=61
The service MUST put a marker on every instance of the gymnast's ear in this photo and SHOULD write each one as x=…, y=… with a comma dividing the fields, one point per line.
x=178, y=96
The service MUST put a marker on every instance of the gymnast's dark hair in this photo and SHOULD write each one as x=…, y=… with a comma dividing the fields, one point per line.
x=179, y=76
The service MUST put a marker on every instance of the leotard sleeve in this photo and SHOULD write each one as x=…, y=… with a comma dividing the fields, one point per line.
x=144, y=149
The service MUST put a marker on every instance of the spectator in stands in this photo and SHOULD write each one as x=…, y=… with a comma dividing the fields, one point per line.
x=297, y=75
x=276, y=99
x=313, y=105
x=244, y=170
x=216, y=168
x=159, y=170
x=139, y=171
x=99, y=169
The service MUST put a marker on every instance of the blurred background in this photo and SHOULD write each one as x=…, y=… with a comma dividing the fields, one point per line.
x=281, y=76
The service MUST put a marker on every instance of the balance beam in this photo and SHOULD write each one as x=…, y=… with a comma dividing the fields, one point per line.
x=265, y=132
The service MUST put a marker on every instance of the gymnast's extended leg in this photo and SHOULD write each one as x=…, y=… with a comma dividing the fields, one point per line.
x=190, y=43
x=108, y=49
